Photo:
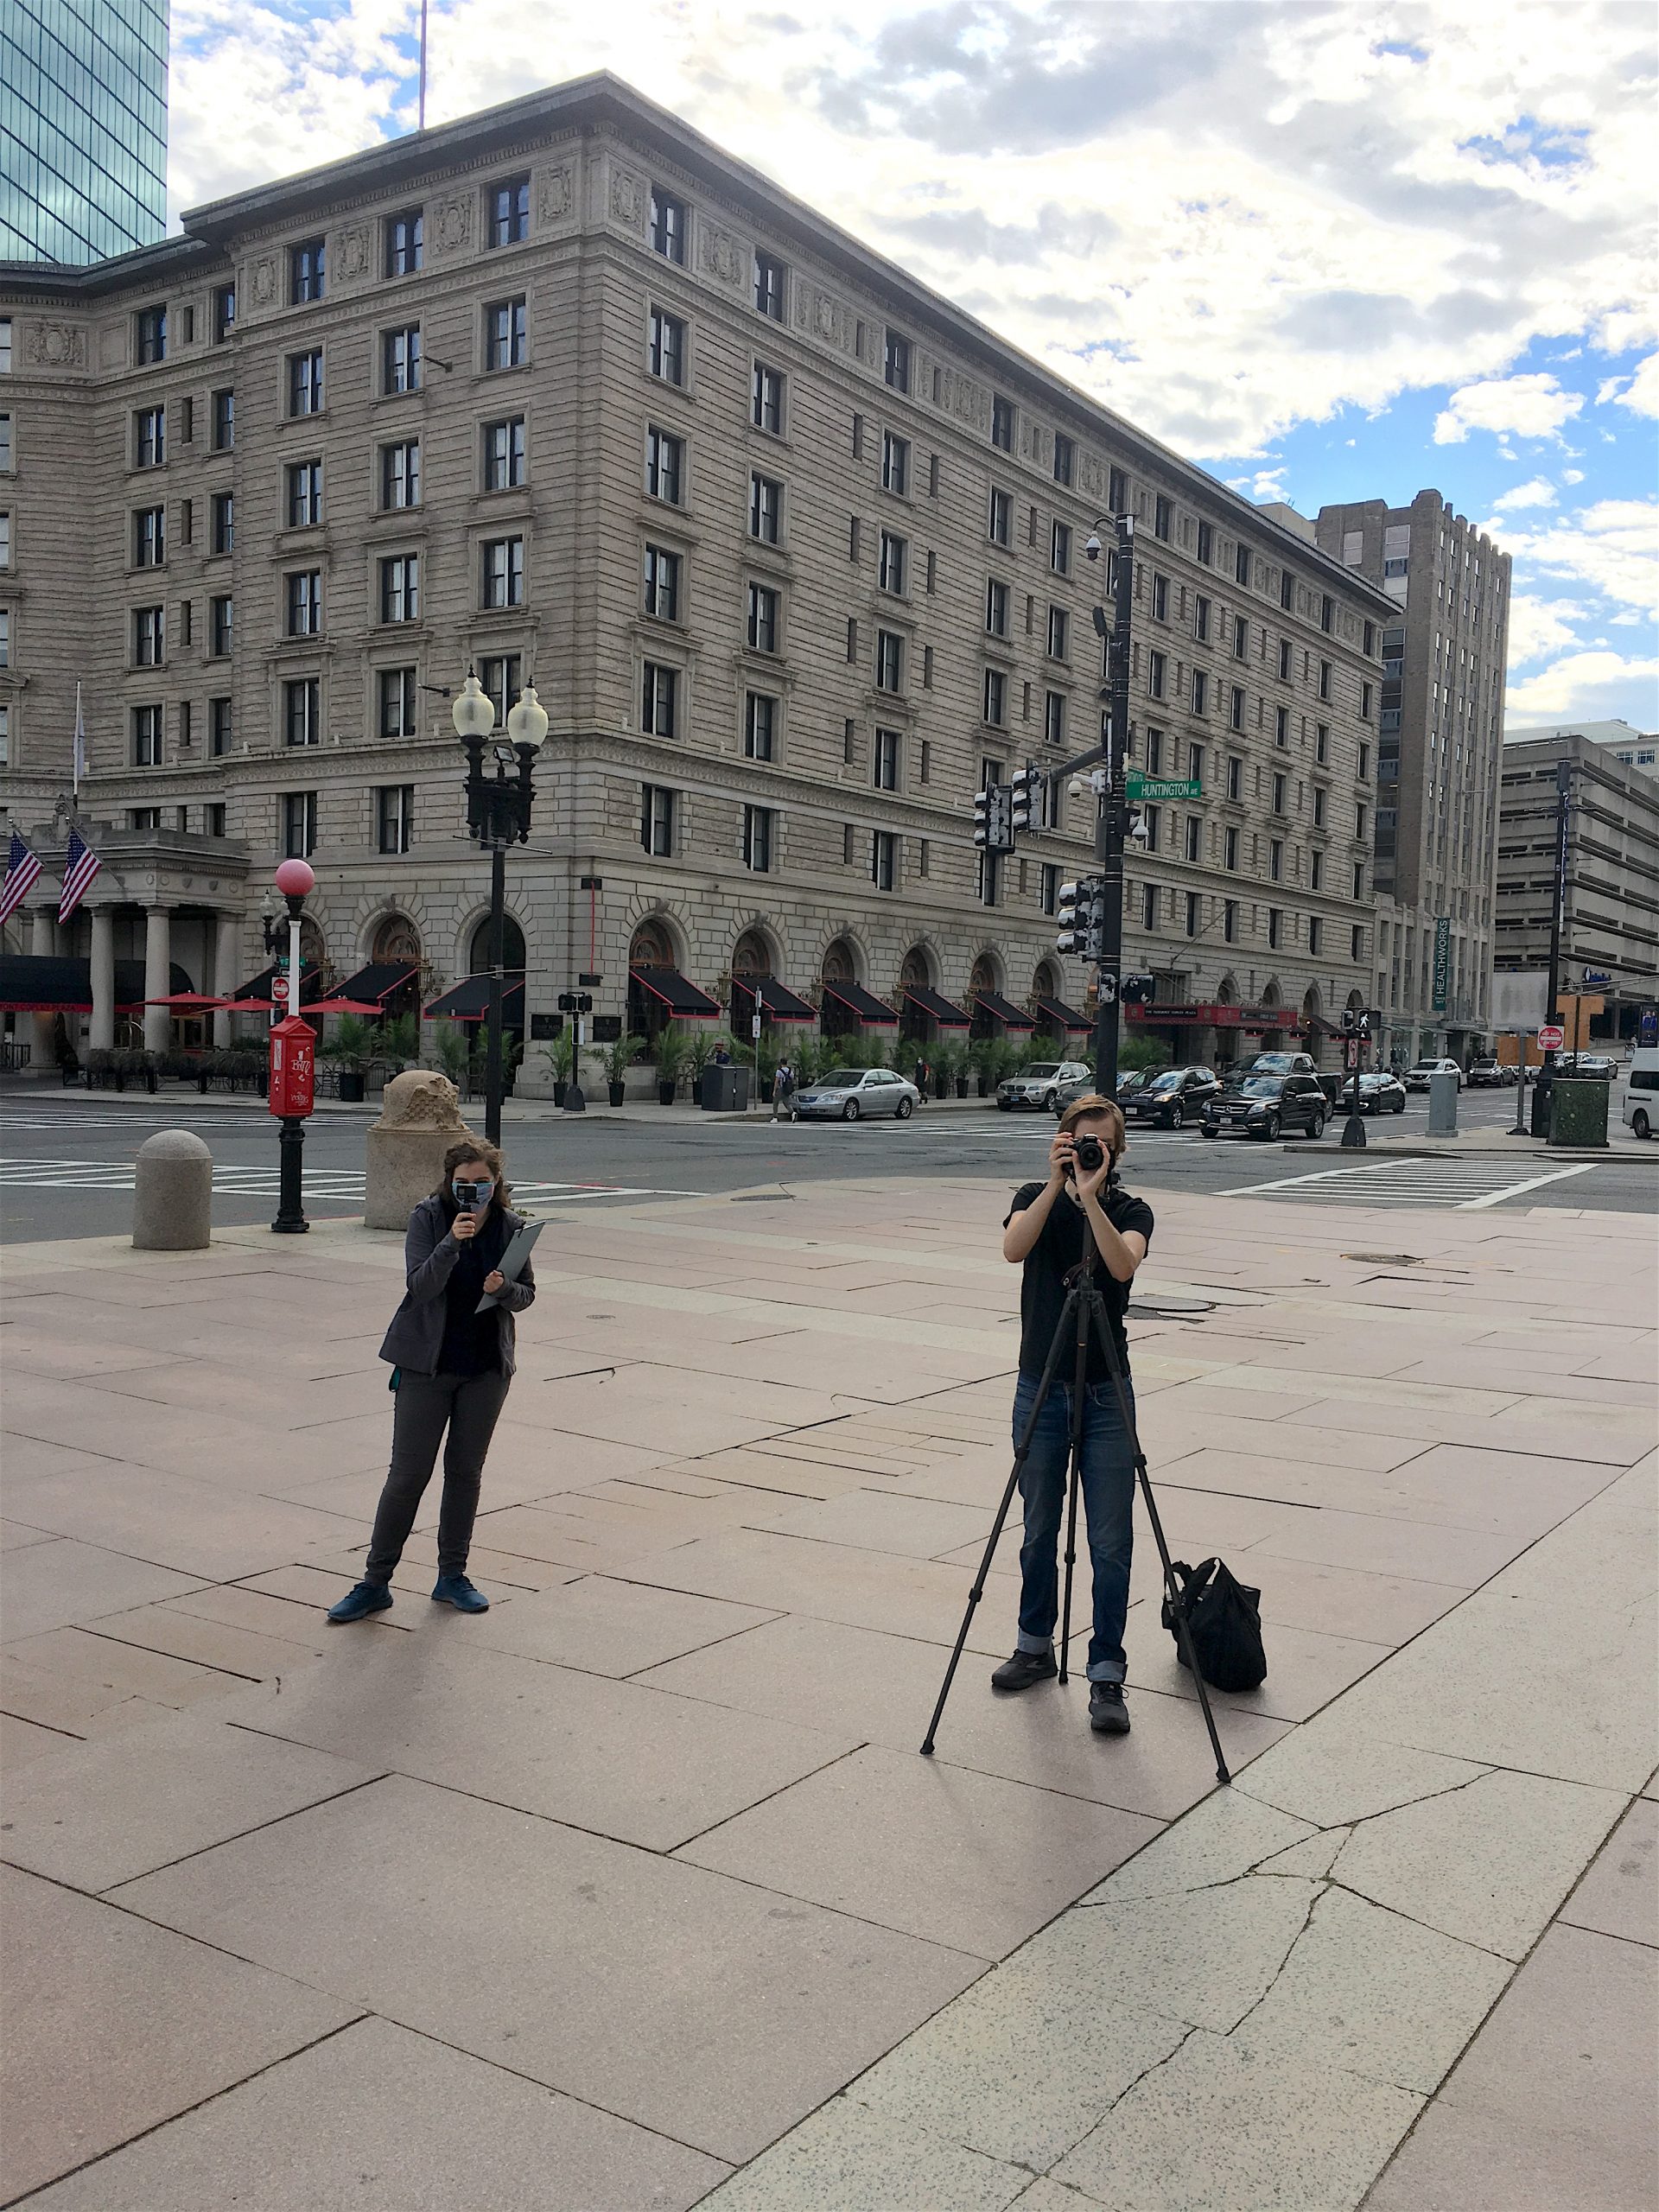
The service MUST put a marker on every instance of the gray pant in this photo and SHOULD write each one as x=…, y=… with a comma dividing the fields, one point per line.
x=469, y=1405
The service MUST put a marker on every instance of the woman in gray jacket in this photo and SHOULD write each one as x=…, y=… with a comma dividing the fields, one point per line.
x=451, y=1369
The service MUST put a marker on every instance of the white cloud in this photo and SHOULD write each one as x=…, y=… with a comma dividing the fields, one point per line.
x=1611, y=547
x=1641, y=393
x=1610, y=388
x=1572, y=476
x=1524, y=407
x=1587, y=686
x=1537, y=491
x=1538, y=626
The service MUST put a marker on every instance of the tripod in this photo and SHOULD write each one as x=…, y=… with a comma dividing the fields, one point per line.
x=1084, y=1310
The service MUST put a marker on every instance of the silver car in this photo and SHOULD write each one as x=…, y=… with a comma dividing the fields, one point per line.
x=1038, y=1085
x=850, y=1094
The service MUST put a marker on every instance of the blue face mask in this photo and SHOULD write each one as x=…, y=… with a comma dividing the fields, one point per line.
x=472, y=1197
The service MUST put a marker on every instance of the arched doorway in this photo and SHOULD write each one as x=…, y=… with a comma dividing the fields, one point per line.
x=314, y=952
x=984, y=977
x=480, y=962
x=652, y=947
x=1312, y=1010
x=750, y=957
x=396, y=939
x=1046, y=984
x=837, y=966
x=1272, y=1041
x=915, y=972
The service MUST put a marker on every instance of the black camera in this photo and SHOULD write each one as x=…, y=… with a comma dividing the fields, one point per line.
x=467, y=1196
x=1089, y=1152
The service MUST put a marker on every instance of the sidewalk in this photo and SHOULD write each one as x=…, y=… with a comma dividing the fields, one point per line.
x=637, y=1881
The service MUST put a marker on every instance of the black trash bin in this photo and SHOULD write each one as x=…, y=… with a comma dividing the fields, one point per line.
x=725, y=1090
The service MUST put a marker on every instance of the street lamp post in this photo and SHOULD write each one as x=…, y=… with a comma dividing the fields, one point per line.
x=498, y=815
x=1112, y=813
x=294, y=880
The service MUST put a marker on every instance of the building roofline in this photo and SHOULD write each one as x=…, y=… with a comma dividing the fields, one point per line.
x=74, y=280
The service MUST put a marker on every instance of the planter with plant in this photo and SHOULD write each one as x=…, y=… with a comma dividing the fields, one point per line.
x=560, y=1054
x=702, y=1043
x=768, y=1054
x=349, y=1051
x=454, y=1053
x=982, y=1057
x=618, y=1058
x=673, y=1052
x=946, y=1060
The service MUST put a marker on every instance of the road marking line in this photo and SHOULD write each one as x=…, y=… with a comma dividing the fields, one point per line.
x=1319, y=1175
x=1514, y=1190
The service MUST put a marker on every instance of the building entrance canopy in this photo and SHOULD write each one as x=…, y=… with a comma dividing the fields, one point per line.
x=862, y=1004
x=1067, y=1017
x=684, y=1000
x=776, y=999
x=51, y=983
x=1004, y=1010
x=927, y=1000
x=470, y=1001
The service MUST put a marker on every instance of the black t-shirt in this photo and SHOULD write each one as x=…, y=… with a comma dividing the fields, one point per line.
x=1062, y=1243
x=472, y=1340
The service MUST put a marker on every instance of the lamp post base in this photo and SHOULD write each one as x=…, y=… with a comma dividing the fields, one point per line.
x=1353, y=1135
x=291, y=1203
x=574, y=1101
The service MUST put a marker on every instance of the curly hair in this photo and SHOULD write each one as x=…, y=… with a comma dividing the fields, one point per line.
x=462, y=1153
x=1117, y=1133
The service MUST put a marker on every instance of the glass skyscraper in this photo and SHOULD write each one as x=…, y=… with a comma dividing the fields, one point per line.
x=83, y=128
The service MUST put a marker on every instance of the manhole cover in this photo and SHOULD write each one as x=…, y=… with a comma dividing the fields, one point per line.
x=1385, y=1259
x=1170, y=1309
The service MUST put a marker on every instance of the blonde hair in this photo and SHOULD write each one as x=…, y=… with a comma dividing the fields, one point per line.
x=1117, y=1133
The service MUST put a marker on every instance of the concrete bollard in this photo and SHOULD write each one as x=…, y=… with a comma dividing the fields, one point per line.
x=1442, y=1105
x=172, y=1193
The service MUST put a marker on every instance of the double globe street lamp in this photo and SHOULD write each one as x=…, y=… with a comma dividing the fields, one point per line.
x=498, y=815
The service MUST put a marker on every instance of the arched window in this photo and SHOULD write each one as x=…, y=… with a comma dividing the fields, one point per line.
x=479, y=961
x=983, y=978
x=396, y=938
x=652, y=947
x=838, y=966
x=914, y=972
x=751, y=956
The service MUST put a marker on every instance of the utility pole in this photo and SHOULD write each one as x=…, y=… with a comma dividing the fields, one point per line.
x=1112, y=815
x=1557, y=913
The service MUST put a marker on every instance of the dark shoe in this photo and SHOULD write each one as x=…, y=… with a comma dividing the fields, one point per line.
x=1023, y=1670
x=455, y=1590
x=1107, y=1714
x=358, y=1603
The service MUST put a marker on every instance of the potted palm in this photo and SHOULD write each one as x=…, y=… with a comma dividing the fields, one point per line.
x=673, y=1047
x=700, y=1050
x=982, y=1057
x=946, y=1058
x=455, y=1055
x=619, y=1058
x=766, y=1057
x=350, y=1052
x=560, y=1054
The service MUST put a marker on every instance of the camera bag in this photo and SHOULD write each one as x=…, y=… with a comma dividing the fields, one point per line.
x=1224, y=1620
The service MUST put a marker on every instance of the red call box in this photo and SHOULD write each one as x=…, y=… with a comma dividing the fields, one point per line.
x=293, y=1067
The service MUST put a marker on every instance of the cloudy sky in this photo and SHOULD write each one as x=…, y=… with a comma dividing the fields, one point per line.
x=1333, y=251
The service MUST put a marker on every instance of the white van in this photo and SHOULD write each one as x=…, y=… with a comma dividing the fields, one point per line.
x=1638, y=1094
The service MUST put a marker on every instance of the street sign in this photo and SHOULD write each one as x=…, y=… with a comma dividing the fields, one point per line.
x=1155, y=791
x=279, y=987
x=1551, y=1036
x=754, y=1024
x=1442, y=960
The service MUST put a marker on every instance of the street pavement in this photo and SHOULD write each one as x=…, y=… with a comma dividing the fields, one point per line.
x=635, y=1893
x=65, y=1160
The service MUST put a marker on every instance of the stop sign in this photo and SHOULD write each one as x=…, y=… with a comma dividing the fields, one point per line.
x=1551, y=1036
x=279, y=987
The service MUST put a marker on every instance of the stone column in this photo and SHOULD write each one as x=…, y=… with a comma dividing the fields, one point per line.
x=226, y=978
x=158, y=962
x=102, y=1033
x=42, y=922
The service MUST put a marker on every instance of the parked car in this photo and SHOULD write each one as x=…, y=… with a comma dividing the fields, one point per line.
x=1172, y=1097
x=1281, y=1064
x=1083, y=1086
x=1638, y=1094
x=1595, y=1067
x=850, y=1094
x=1382, y=1093
x=1417, y=1076
x=1267, y=1106
x=1486, y=1074
x=1038, y=1085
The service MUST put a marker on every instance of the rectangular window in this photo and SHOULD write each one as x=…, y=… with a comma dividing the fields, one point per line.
x=1235, y=708
x=224, y=421
x=1235, y=777
x=400, y=587
x=149, y=437
x=1206, y=545
x=1161, y=599
x=996, y=608
x=1201, y=619
x=658, y=700
x=852, y=642
x=760, y=726
x=220, y=727
x=1194, y=911
x=305, y=602
x=304, y=495
x=299, y=824
x=1362, y=818
x=1117, y=492
x=895, y=463
x=1229, y=848
x=895, y=365
x=1156, y=666
x=1200, y=692
x=767, y=399
x=305, y=382
x=1325, y=679
x=662, y=583
x=891, y=570
x=763, y=618
x=1054, y=718
x=1355, y=943
x=1369, y=637
x=1321, y=742
x=1319, y=807
x=221, y=624
x=657, y=820
x=665, y=348
x=508, y=204
x=400, y=473
x=147, y=737
x=504, y=454
x=1315, y=933
x=212, y=819
x=144, y=818
x=1161, y=513
x=1365, y=702
x=1279, y=794
x=394, y=808
x=1148, y=905
x=889, y=661
x=405, y=256
x=1241, y=638
x=1364, y=770
x=1284, y=660
x=397, y=706
x=996, y=698
x=766, y=508
x=187, y=522
x=1059, y=549
x=884, y=761
x=306, y=275
x=149, y=637
x=1154, y=752
x=1359, y=878
x=505, y=335
x=1281, y=726
x=1195, y=763
x=1065, y=456
x=1273, y=928
x=224, y=312
x=400, y=358
x=1000, y=524
x=1327, y=611
x=665, y=466
x=769, y=276
x=1316, y=871
x=883, y=859
x=1002, y=423
x=1276, y=860
x=503, y=572
x=757, y=839
x=502, y=675
x=1058, y=633
x=302, y=711
x=1194, y=847
x=1229, y=921
x=667, y=225
x=1241, y=564
x=149, y=537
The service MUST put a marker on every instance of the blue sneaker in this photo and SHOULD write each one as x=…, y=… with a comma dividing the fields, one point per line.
x=358, y=1603
x=455, y=1590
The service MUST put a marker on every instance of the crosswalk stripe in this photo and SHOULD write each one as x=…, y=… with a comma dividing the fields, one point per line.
x=230, y=1180
x=1463, y=1186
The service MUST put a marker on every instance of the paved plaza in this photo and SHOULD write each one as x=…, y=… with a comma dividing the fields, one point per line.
x=635, y=1892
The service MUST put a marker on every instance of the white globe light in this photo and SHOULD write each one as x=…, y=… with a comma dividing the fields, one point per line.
x=527, y=723
x=473, y=712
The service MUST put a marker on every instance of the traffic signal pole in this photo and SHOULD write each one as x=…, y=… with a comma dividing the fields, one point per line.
x=1112, y=815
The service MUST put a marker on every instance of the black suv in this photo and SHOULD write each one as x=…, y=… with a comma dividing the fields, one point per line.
x=1170, y=1096
x=1267, y=1106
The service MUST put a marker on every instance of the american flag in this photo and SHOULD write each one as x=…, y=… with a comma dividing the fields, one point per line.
x=21, y=868
x=80, y=865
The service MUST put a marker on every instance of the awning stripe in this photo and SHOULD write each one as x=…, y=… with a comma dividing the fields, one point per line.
x=1003, y=1010
x=947, y=1016
x=686, y=1000
x=776, y=999
x=870, y=1010
x=469, y=1000
x=1068, y=1017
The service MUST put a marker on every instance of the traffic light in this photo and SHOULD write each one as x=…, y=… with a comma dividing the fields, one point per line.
x=1027, y=783
x=1097, y=945
x=1068, y=936
x=994, y=818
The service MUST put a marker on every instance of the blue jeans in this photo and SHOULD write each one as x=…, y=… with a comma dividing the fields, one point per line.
x=1108, y=1502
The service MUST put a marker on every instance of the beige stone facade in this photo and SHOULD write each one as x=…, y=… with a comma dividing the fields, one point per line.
x=791, y=548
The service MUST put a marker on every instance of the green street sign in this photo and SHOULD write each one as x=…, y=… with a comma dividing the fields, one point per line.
x=1154, y=789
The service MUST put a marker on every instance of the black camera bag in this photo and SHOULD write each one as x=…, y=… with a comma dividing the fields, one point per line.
x=1224, y=1620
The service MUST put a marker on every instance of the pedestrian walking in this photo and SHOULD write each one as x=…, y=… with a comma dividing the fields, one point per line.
x=452, y=1367
x=783, y=1090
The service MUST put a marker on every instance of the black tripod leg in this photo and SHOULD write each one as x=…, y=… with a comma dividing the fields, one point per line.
x=1021, y=1452
x=1126, y=1413
x=1074, y=1477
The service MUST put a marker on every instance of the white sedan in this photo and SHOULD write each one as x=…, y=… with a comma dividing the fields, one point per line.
x=1416, y=1078
x=850, y=1094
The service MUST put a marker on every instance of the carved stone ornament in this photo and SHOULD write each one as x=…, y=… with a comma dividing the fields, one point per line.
x=452, y=225
x=556, y=198
x=420, y=1099
x=628, y=199
x=1090, y=476
x=822, y=313
x=56, y=346
x=262, y=280
x=351, y=255
x=721, y=255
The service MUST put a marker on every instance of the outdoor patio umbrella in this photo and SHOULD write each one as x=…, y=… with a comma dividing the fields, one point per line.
x=337, y=1006
x=189, y=1002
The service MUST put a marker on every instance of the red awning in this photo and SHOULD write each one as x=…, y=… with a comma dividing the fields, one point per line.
x=686, y=1000
x=931, y=1003
x=777, y=1000
x=1003, y=1010
x=873, y=1012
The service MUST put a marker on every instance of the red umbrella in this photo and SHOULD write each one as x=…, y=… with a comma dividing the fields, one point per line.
x=189, y=1002
x=337, y=1006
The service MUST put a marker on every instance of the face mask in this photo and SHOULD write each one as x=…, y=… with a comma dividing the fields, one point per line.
x=472, y=1196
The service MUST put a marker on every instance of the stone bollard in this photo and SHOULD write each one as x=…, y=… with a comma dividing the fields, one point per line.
x=172, y=1193
x=420, y=1119
x=1442, y=1106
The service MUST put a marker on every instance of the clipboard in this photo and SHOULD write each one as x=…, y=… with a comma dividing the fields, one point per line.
x=511, y=1262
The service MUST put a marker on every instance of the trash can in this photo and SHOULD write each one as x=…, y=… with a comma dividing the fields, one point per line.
x=1578, y=1113
x=725, y=1090
x=1443, y=1105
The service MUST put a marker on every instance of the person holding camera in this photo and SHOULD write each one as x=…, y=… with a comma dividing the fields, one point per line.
x=1082, y=1216
x=451, y=1369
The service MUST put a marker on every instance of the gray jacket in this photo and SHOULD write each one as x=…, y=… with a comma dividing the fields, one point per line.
x=430, y=1255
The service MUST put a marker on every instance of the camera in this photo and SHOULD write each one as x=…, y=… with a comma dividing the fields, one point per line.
x=467, y=1196
x=1089, y=1152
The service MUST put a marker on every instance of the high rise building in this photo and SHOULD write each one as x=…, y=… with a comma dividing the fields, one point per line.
x=1440, y=739
x=83, y=128
x=793, y=549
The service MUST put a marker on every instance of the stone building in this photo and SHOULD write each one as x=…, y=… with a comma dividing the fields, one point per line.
x=791, y=548
x=1444, y=653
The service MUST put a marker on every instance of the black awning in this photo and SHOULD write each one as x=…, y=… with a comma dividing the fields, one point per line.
x=375, y=984
x=1003, y=1010
x=776, y=999
x=947, y=1016
x=55, y=983
x=470, y=1001
x=871, y=1011
x=258, y=986
x=682, y=999
x=1068, y=1017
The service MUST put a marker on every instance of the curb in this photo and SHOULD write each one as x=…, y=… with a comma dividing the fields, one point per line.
x=1391, y=1150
